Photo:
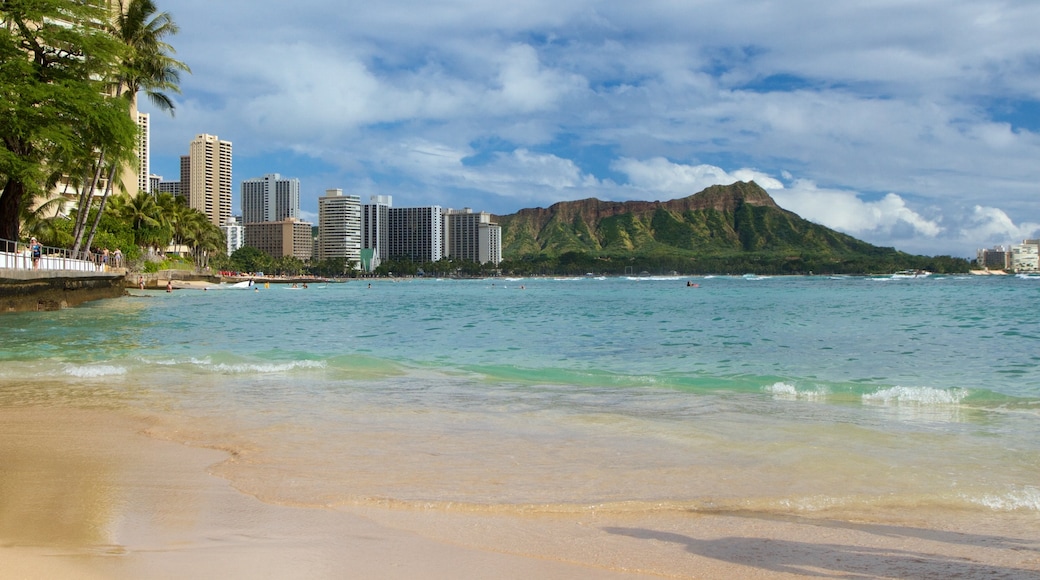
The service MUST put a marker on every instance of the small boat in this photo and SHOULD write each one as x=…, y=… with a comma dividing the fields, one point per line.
x=912, y=274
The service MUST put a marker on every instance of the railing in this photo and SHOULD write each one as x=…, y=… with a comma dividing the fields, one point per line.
x=18, y=256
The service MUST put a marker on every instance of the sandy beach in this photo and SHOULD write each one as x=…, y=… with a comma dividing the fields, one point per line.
x=87, y=494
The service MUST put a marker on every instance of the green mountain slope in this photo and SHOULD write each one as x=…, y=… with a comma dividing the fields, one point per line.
x=716, y=230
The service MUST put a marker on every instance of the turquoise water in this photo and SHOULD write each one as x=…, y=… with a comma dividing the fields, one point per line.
x=849, y=394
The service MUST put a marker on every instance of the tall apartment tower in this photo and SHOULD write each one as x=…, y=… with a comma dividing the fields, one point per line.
x=206, y=177
x=339, y=226
x=270, y=199
x=416, y=233
x=472, y=236
x=144, y=139
x=375, y=228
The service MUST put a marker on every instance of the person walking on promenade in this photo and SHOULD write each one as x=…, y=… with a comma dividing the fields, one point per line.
x=36, y=250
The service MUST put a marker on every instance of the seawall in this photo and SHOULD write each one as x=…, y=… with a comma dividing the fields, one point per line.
x=30, y=290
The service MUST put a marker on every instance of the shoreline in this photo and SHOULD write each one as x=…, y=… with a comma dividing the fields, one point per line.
x=88, y=494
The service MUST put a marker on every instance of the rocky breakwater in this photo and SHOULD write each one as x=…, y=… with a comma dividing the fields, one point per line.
x=28, y=290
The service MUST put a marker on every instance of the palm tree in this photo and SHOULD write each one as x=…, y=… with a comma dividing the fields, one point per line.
x=146, y=66
x=43, y=221
x=143, y=214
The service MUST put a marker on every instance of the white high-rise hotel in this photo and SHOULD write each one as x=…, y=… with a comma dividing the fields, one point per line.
x=339, y=227
x=270, y=199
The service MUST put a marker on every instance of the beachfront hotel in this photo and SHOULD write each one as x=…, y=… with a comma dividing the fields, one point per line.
x=472, y=236
x=339, y=227
x=415, y=233
x=206, y=177
x=270, y=199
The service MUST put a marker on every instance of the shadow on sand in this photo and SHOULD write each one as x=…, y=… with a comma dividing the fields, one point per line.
x=837, y=560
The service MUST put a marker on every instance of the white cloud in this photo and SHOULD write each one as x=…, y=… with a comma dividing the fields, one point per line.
x=991, y=226
x=845, y=211
x=659, y=175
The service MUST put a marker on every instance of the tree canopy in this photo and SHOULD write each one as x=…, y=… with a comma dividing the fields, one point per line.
x=69, y=74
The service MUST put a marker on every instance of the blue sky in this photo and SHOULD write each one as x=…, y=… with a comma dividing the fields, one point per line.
x=906, y=123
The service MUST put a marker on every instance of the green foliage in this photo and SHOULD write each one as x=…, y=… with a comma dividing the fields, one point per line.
x=249, y=259
x=55, y=62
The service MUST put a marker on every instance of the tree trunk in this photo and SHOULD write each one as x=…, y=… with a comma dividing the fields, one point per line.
x=101, y=208
x=10, y=204
x=86, y=199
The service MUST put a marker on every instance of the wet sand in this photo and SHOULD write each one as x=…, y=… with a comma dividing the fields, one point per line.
x=85, y=494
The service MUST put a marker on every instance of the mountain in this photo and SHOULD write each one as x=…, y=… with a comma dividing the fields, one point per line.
x=722, y=227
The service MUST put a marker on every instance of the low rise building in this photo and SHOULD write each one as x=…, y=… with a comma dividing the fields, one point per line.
x=289, y=237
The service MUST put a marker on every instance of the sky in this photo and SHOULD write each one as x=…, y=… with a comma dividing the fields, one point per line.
x=913, y=124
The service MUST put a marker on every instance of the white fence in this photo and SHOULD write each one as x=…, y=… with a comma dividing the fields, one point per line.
x=18, y=256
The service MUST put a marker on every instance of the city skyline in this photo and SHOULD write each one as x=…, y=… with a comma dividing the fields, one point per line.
x=908, y=125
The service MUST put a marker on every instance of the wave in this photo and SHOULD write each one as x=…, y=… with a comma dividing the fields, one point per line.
x=267, y=367
x=1023, y=499
x=94, y=371
x=917, y=396
x=783, y=390
x=653, y=278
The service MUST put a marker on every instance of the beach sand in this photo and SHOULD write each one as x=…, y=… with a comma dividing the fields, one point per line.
x=86, y=494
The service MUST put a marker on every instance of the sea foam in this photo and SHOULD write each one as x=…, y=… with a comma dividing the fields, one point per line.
x=264, y=368
x=1026, y=498
x=94, y=371
x=781, y=390
x=917, y=395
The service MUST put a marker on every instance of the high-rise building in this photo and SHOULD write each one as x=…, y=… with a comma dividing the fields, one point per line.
x=375, y=227
x=206, y=177
x=415, y=233
x=490, y=244
x=472, y=236
x=171, y=187
x=270, y=199
x=144, y=136
x=339, y=227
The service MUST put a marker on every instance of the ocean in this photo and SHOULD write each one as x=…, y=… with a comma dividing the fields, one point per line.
x=844, y=396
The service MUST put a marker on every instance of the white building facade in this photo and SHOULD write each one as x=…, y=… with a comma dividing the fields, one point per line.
x=1025, y=257
x=235, y=234
x=339, y=227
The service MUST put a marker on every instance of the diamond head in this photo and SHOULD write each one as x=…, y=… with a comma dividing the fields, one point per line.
x=725, y=229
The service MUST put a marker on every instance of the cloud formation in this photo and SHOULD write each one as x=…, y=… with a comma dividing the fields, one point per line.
x=914, y=125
